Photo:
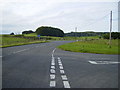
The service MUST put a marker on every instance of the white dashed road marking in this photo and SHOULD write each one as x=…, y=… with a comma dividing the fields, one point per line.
x=52, y=83
x=20, y=51
x=64, y=77
x=52, y=76
x=52, y=70
x=53, y=67
x=52, y=63
x=66, y=84
x=61, y=67
x=60, y=64
x=62, y=72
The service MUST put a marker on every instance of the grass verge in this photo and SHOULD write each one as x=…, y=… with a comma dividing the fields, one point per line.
x=93, y=46
x=16, y=41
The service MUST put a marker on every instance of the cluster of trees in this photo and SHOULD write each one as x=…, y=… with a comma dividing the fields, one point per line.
x=49, y=31
x=28, y=32
x=114, y=35
x=45, y=31
x=79, y=34
x=12, y=33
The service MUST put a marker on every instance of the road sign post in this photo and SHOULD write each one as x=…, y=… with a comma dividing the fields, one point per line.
x=38, y=36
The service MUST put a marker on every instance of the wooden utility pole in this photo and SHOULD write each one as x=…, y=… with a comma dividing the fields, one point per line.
x=110, y=29
x=76, y=33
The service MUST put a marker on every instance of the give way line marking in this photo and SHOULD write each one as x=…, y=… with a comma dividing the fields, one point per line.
x=103, y=62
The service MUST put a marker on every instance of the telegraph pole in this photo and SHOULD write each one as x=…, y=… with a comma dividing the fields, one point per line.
x=110, y=29
x=76, y=33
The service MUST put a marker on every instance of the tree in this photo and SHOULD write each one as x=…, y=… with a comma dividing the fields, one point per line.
x=27, y=32
x=12, y=33
x=114, y=35
x=49, y=31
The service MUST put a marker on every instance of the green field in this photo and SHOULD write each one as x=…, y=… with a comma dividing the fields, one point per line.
x=91, y=44
x=7, y=41
x=61, y=38
x=31, y=35
x=99, y=46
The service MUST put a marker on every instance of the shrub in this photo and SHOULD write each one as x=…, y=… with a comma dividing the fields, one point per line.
x=49, y=31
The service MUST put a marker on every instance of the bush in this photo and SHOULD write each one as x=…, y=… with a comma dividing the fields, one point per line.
x=12, y=33
x=49, y=31
x=114, y=35
x=27, y=32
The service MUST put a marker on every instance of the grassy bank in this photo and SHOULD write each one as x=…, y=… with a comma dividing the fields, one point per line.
x=92, y=46
x=6, y=41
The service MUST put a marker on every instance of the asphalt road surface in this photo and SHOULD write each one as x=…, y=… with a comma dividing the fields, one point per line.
x=45, y=66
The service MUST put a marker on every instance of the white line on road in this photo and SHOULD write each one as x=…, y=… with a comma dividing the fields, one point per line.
x=52, y=63
x=58, y=58
x=60, y=64
x=92, y=62
x=52, y=76
x=52, y=83
x=103, y=62
x=64, y=77
x=52, y=67
x=66, y=84
x=53, y=53
x=61, y=67
x=62, y=71
x=53, y=58
x=54, y=50
x=20, y=51
x=52, y=70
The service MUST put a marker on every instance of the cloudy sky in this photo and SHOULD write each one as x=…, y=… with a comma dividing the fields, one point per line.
x=86, y=15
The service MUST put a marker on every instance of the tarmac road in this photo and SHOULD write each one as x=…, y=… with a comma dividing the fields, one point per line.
x=44, y=66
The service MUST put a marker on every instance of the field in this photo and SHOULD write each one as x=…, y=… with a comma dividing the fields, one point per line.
x=61, y=38
x=91, y=44
x=7, y=41
x=14, y=40
x=99, y=46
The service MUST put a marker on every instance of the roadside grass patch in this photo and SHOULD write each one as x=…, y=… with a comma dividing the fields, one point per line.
x=16, y=41
x=100, y=46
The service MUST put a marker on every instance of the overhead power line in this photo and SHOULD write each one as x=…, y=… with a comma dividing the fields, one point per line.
x=97, y=20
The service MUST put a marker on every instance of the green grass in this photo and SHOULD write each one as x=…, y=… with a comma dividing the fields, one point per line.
x=92, y=46
x=30, y=35
x=61, y=38
x=7, y=41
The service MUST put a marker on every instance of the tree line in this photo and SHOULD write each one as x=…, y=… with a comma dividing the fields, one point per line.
x=46, y=31
x=56, y=32
x=114, y=35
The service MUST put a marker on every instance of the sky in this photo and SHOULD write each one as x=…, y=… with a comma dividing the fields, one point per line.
x=87, y=15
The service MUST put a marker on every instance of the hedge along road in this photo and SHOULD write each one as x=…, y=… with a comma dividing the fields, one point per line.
x=44, y=66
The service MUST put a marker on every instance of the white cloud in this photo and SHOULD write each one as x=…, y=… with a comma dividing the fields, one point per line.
x=65, y=14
